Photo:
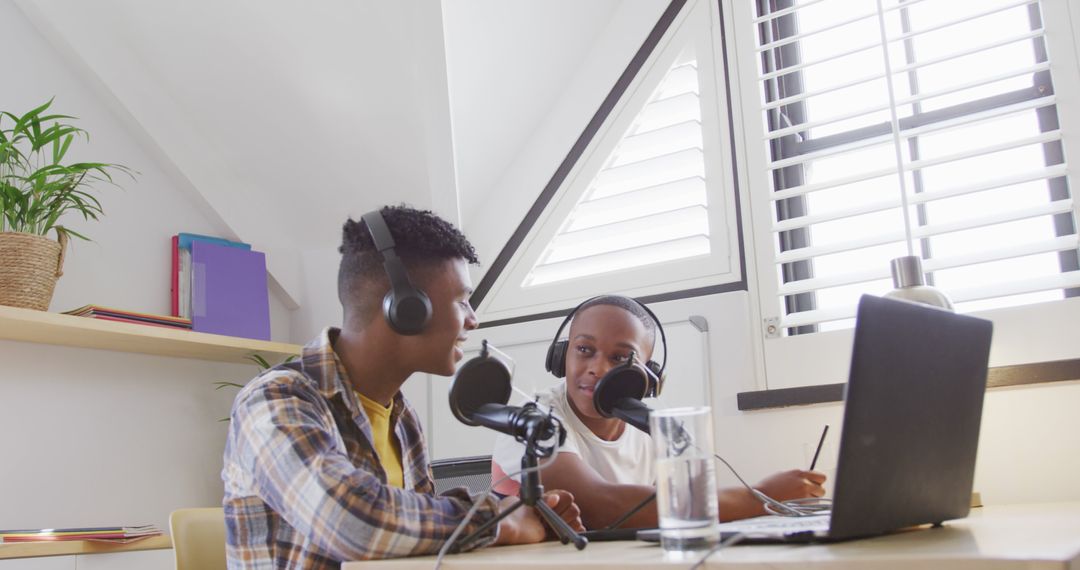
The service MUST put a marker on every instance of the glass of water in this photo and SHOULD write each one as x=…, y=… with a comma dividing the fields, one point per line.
x=686, y=478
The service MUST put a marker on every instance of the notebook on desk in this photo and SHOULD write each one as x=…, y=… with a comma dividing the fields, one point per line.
x=912, y=412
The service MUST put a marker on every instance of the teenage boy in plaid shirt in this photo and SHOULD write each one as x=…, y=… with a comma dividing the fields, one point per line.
x=325, y=459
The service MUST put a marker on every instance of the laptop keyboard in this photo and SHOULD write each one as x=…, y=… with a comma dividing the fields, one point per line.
x=778, y=525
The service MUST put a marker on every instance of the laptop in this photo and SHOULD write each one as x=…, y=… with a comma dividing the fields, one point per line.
x=912, y=412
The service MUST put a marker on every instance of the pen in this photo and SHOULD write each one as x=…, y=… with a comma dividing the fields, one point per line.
x=819, y=443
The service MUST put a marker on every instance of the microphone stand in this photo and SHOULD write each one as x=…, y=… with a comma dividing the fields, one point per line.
x=531, y=494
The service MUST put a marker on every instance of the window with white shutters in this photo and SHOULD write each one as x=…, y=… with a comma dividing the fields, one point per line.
x=648, y=203
x=649, y=207
x=897, y=127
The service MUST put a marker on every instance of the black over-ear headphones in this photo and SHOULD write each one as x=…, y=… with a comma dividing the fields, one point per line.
x=555, y=362
x=406, y=308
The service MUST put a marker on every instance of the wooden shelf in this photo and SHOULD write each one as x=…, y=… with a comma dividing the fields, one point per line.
x=71, y=547
x=54, y=328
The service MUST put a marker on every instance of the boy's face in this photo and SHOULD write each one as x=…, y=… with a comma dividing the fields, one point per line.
x=601, y=337
x=438, y=349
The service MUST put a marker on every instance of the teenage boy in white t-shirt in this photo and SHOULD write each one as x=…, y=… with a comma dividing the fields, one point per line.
x=606, y=464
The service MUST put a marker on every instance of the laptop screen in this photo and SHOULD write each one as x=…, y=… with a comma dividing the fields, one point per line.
x=911, y=417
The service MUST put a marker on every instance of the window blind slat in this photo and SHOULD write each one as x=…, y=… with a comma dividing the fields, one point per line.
x=792, y=99
x=1051, y=136
x=963, y=20
x=902, y=68
x=1056, y=171
x=802, y=127
x=930, y=265
x=656, y=253
x=920, y=198
x=803, y=35
x=1049, y=208
x=923, y=96
x=804, y=189
x=803, y=65
x=804, y=253
x=650, y=172
x=665, y=140
x=628, y=234
x=786, y=11
x=942, y=126
x=639, y=204
x=1065, y=280
x=970, y=51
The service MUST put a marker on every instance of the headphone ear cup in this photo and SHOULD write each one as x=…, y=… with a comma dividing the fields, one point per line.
x=556, y=358
x=408, y=313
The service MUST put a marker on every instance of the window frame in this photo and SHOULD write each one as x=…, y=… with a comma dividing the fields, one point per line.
x=500, y=299
x=1023, y=334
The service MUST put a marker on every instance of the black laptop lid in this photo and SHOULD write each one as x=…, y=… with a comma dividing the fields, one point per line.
x=911, y=419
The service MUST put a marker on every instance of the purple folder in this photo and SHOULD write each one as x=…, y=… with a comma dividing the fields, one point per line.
x=228, y=291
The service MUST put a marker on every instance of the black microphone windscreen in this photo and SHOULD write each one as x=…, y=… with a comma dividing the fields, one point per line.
x=619, y=383
x=484, y=379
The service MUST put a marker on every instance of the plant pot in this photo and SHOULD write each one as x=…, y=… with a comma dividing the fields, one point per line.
x=29, y=267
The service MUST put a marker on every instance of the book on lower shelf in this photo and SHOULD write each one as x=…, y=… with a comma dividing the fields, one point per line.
x=117, y=534
x=125, y=316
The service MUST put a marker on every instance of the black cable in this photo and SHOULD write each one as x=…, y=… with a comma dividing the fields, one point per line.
x=450, y=542
x=729, y=541
x=631, y=512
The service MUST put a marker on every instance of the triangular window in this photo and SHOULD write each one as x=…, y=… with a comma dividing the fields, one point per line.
x=648, y=203
x=649, y=206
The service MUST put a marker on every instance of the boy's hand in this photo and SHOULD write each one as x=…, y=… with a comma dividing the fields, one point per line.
x=524, y=526
x=793, y=484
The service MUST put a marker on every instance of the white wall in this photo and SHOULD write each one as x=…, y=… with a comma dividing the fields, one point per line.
x=98, y=437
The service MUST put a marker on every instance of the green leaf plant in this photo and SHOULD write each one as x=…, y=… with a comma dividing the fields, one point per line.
x=36, y=187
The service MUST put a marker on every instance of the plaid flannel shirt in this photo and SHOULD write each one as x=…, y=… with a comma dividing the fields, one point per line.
x=304, y=487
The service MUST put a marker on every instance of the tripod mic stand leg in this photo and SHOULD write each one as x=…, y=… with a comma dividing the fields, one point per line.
x=563, y=530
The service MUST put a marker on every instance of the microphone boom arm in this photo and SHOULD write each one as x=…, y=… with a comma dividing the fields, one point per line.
x=633, y=412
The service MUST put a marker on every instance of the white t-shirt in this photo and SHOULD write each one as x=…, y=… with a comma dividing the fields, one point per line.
x=626, y=460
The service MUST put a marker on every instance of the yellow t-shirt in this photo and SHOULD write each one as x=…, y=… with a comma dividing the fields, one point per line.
x=385, y=442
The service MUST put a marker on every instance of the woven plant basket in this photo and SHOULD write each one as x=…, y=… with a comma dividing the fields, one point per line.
x=29, y=267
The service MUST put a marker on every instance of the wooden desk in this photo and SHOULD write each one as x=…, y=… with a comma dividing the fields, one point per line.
x=1032, y=537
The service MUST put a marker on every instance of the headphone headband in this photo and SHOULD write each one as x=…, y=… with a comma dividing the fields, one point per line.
x=380, y=232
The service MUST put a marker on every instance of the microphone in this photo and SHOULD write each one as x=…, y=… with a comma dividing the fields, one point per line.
x=479, y=395
x=483, y=380
x=618, y=395
x=527, y=423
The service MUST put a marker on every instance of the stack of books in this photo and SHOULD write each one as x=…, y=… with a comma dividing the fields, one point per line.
x=220, y=285
x=103, y=534
x=98, y=312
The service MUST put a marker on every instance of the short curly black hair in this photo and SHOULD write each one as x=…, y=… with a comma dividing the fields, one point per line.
x=421, y=239
x=628, y=304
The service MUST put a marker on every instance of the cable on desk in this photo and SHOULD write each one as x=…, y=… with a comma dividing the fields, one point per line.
x=733, y=539
x=476, y=503
x=790, y=508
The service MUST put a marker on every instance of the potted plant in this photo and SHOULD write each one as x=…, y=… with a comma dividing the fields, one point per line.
x=36, y=190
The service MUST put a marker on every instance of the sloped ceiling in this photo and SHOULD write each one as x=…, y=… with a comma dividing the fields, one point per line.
x=281, y=118
x=508, y=63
